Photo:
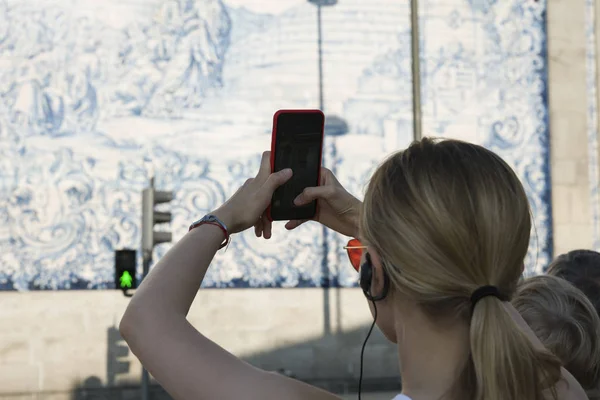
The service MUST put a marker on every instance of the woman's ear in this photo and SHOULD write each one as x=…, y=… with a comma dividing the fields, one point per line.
x=377, y=281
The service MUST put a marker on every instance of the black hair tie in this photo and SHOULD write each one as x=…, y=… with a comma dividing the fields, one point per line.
x=485, y=291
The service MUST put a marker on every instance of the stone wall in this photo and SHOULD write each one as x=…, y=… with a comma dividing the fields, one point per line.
x=55, y=344
x=568, y=102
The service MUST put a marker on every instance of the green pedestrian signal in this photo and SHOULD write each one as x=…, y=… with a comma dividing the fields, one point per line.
x=125, y=266
x=126, y=280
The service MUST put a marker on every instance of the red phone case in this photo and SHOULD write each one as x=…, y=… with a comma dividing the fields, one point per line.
x=274, y=137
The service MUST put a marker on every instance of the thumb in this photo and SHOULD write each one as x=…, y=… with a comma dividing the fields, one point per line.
x=313, y=193
x=277, y=179
x=293, y=224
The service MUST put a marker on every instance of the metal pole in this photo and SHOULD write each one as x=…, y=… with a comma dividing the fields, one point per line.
x=416, y=70
x=324, y=262
x=147, y=260
x=145, y=384
x=146, y=265
x=145, y=374
x=320, y=44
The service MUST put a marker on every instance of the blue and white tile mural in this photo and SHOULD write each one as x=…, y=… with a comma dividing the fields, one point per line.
x=95, y=97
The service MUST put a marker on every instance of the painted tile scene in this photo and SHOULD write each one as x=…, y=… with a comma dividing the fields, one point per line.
x=98, y=97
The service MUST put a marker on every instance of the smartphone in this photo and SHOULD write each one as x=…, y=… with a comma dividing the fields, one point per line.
x=296, y=143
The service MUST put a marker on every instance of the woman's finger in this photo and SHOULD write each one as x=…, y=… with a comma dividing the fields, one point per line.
x=267, y=227
x=327, y=176
x=294, y=224
x=258, y=227
x=312, y=193
x=277, y=179
x=265, y=167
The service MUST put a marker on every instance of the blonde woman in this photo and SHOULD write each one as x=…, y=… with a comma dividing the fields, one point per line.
x=442, y=234
x=563, y=318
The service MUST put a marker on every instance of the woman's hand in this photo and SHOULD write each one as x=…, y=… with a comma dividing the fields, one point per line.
x=338, y=209
x=248, y=205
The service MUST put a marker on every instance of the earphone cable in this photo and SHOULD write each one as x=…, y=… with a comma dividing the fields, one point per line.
x=362, y=351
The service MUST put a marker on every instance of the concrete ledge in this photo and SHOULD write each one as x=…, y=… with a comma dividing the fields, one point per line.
x=381, y=388
x=66, y=341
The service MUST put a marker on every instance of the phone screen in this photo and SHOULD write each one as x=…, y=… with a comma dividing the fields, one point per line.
x=297, y=145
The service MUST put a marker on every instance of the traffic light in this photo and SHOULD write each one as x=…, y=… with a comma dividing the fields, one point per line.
x=150, y=217
x=125, y=266
x=117, y=357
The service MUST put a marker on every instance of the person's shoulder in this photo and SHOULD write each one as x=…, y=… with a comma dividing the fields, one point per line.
x=568, y=388
x=401, y=397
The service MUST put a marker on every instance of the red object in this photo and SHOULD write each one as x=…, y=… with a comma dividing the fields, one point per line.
x=355, y=251
x=274, y=139
x=227, y=237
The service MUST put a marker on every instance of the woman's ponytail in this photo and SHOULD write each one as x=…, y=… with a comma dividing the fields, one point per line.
x=448, y=216
x=505, y=363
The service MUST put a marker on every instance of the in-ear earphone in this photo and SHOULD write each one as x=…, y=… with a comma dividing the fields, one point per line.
x=366, y=277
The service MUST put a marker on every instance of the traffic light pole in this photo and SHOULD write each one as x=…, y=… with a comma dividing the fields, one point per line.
x=146, y=266
x=150, y=238
x=145, y=384
x=145, y=374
